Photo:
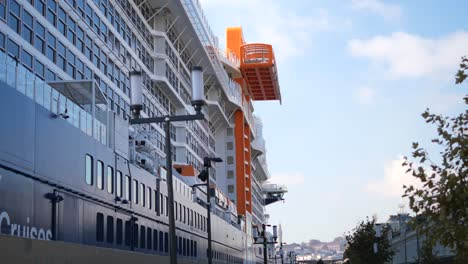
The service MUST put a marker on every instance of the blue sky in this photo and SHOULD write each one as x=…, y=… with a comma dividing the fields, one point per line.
x=355, y=76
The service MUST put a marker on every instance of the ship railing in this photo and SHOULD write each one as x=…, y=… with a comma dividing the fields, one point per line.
x=210, y=43
x=93, y=123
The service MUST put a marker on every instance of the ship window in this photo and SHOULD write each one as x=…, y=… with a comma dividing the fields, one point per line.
x=110, y=179
x=229, y=145
x=13, y=49
x=127, y=188
x=191, y=248
x=161, y=245
x=229, y=131
x=176, y=211
x=89, y=170
x=143, y=194
x=119, y=184
x=128, y=233
x=166, y=242
x=195, y=248
x=149, y=238
x=142, y=236
x=135, y=191
x=99, y=227
x=119, y=232
x=149, y=202
x=135, y=235
x=230, y=160
x=184, y=247
x=167, y=205
x=110, y=229
x=179, y=246
x=100, y=175
x=155, y=240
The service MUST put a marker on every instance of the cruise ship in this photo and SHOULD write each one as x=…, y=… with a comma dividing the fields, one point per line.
x=79, y=183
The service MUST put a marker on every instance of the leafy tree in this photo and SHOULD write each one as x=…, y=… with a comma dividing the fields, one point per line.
x=360, y=244
x=442, y=198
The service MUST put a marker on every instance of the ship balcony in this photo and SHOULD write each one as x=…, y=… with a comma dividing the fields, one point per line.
x=258, y=66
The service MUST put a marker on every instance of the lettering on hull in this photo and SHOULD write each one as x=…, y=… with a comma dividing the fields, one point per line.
x=26, y=231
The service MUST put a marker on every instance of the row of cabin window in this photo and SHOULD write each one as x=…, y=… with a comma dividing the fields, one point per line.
x=226, y=257
x=25, y=25
x=182, y=213
x=140, y=236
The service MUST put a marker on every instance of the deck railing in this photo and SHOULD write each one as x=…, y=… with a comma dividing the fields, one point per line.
x=17, y=76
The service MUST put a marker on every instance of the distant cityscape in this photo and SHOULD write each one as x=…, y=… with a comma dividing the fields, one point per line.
x=316, y=249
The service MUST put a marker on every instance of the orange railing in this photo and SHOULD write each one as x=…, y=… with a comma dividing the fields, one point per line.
x=254, y=55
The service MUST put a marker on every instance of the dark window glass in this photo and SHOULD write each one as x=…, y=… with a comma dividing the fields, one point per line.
x=142, y=237
x=135, y=235
x=27, y=59
x=161, y=241
x=100, y=175
x=110, y=179
x=179, y=246
x=155, y=240
x=13, y=49
x=89, y=170
x=166, y=242
x=2, y=41
x=50, y=76
x=99, y=227
x=127, y=188
x=3, y=10
x=119, y=232
x=149, y=238
x=39, y=68
x=40, y=6
x=110, y=229
x=128, y=233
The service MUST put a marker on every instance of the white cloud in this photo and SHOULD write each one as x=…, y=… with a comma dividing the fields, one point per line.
x=290, y=33
x=395, y=177
x=406, y=55
x=387, y=11
x=288, y=179
x=364, y=95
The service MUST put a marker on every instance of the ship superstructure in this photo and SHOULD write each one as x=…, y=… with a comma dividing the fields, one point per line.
x=65, y=87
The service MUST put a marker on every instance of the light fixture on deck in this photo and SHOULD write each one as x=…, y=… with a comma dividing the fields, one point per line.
x=198, y=91
x=136, y=96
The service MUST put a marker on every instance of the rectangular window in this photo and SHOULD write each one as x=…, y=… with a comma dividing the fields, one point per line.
x=148, y=198
x=143, y=195
x=142, y=237
x=119, y=232
x=135, y=191
x=13, y=49
x=99, y=227
x=3, y=10
x=27, y=59
x=100, y=175
x=110, y=229
x=127, y=188
x=161, y=241
x=135, y=235
x=89, y=169
x=155, y=240
x=14, y=16
x=149, y=238
x=166, y=242
x=110, y=179
x=119, y=184
x=167, y=205
x=128, y=233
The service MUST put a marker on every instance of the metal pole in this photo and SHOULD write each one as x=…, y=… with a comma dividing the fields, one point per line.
x=208, y=217
x=170, y=195
x=281, y=252
x=265, y=259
